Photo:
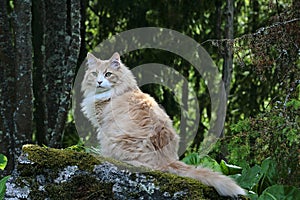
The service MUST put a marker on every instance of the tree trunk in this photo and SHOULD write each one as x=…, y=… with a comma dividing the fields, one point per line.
x=7, y=89
x=71, y=57
x=228, y=51
x=15, y=78
x=218, y=27
x=57, y=45
x=228, y=55
x=38, y=31
x=23, y=51
x=83, y=50
x=255, y=16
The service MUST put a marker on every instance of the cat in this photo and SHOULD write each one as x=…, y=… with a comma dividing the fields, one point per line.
x=133, y=128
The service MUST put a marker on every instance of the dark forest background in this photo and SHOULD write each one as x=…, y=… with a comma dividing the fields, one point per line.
x=254, y=43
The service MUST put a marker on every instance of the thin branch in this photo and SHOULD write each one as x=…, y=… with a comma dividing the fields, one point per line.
x=260, y=31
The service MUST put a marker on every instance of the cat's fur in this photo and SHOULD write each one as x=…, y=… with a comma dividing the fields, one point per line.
x=131, y=126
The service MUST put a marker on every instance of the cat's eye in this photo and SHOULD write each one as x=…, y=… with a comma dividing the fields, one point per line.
x=94, y=73
x=107, y=74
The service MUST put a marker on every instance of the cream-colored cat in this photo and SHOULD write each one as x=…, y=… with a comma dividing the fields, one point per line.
x=131, y=126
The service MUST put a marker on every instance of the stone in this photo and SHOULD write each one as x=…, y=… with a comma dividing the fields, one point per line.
x=48, y=173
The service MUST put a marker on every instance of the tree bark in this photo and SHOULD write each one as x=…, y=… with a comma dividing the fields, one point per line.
x=228, y=55
x=23, y=51
x=38, y=31
x=228, y=50
x=15, y=78
x=56, y=45
x=71, y=57
x=7, y=89
x=255, y=16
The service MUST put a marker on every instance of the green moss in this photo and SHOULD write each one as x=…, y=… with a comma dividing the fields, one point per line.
x=56, y=158
x=44, y=157
x=80, y=187
x=194, y=189
x=49, y=163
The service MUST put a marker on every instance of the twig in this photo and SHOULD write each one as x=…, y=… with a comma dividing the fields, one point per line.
x=260, y=31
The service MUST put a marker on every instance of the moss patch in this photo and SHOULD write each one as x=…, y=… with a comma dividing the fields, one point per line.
x=192, y=189
x=57, y=158
x=67, y=174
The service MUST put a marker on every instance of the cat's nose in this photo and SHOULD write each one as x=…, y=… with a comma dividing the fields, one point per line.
x=99, y=82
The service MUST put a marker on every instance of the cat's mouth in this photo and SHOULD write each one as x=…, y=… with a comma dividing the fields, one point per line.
x=101, y=89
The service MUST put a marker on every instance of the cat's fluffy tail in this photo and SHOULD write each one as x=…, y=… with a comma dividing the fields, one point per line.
x=224, y=185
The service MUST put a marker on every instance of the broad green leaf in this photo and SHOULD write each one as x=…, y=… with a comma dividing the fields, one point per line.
x=230, y=169
x=2, y=186
x=252, y=195
x=250, y=177
x=224, y=167
x=268, y=168
x=280, y=192
x=3, y=161
x=208, y=162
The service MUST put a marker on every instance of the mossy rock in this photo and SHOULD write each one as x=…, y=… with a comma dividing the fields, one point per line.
x=47, y=173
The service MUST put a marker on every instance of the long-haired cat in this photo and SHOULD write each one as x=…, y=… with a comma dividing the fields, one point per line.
x=131, y=126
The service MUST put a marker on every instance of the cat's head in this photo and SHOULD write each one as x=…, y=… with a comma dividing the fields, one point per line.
x=106, y=75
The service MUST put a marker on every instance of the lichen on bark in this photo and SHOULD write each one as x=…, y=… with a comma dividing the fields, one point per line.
x=47, y=173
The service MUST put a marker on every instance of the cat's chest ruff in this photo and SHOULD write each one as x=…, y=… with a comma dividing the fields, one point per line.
x=89, y=101
x=93, y=106
x=103, y=96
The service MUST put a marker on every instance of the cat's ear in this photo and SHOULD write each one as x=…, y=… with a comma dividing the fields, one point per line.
x=115, y=61
x=91, y=60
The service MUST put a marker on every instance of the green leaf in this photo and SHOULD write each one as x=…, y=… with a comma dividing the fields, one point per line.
x=250, y=177
x=252, y=195
x=3, y=161
x=77, y=147
x=295, y=103
x=270, y=177
x=242, y=125
x=2, y=186
x=192, y=159
x=224, y=167
x=228, y=169
x=280, y=192
x=208, y=162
